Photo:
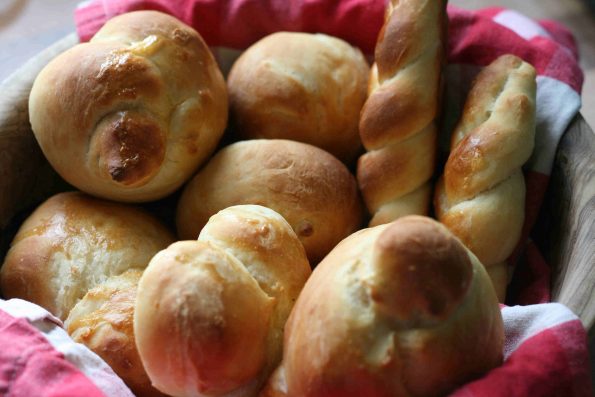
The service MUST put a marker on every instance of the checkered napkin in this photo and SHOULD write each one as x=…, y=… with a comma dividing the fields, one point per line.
x=38, y=358
x=545, y=349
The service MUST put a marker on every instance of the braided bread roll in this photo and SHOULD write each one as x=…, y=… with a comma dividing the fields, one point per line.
x=481, y=196
x=401, y=309
x=210, y=313
x=397, y=124
x=130, y=115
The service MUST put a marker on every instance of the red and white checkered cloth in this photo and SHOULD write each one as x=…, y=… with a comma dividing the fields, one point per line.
x=546, y=345
x=38, y=358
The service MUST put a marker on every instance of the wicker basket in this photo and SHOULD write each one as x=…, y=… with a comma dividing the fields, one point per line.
x=566, y=224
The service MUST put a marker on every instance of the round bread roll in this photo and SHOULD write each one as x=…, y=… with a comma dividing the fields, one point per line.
x=303, y=87
x=102, y=321
x=310, y=188
x=401, y=309
x=130, y=115
x=72, y=243
x=209, y=315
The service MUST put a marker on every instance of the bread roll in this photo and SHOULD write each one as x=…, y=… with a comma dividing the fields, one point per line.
x=311, y=189
x=303, y=87
x=401, y=309
x=481, y=197
x=132, y=114
x=398, y=120
x=72, y=243
x=210, y=313
x=102, y=321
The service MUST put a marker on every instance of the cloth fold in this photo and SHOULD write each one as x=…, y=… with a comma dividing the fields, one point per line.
x=38, y=358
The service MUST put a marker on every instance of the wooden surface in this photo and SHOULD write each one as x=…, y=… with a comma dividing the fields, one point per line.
x=568, y=222
x=25, y=175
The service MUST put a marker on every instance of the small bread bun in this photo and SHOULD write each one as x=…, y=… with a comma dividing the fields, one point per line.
x=303, y=87
x=401, y=309
x=310, y=188
x=209, y=315
x=72, y=243
x=130, y=115
x=102, y=321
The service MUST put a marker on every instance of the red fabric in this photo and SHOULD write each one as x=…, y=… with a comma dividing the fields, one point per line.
x=239, y=23
x=553, y=362
x=475, y=39
x=30, y=366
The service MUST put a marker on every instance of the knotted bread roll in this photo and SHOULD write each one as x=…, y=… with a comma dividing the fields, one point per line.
x=310, y=188
x=102, y=321
x=401, y=309
x=130, y=115
x=481, y=197
x=398, y=120
x=303, y=87
x=210, y=313
x=80, y=258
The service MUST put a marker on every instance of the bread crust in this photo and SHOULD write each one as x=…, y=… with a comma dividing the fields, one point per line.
x=210, y=313
x=300, y=86
x=130, y=115
x=398, y=120
x=72, y=243
x=401, y=309
x=309, y=187
x=102, y=321
x=481, y=196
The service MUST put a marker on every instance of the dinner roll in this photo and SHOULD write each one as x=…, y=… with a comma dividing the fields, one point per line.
x=310, y=188
x=210, y=313
x=401, y=309
x=130, y=115
x=72, y=243
x=102, y=321
x=303, y=87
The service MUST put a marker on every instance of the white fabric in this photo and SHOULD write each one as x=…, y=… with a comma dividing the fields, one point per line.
x=523, y=322
x=77, y=354
x=520, y=24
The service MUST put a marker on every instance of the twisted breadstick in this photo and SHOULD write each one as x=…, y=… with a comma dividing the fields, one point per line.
x=481, y=197
x=397, y=121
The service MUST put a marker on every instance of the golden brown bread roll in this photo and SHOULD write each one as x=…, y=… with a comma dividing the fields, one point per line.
x=303, y=87
x=481, y=197
x=72, y=243
x=398, y=120
x=401, y=309
x=130, y=115
x=310, y=188
x=210, y=313
x=102, y=321
x=80, y=258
